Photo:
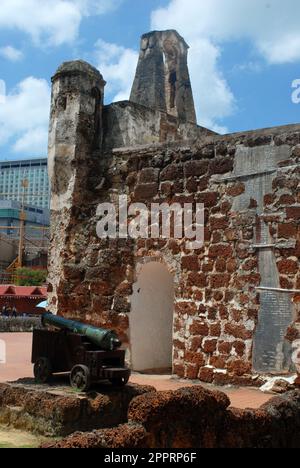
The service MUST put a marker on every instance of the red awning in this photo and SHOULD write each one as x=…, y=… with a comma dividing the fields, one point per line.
x=21, y=292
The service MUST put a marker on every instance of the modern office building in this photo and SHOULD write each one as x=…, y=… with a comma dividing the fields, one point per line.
x=35, y=237
x=34, y=172
x=36, y=219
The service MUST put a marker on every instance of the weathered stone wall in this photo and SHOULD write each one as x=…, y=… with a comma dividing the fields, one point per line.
x=75, y=137
x=197, y=418
x=19, y=325
x=56, y=411
x=162, y=79
x=249, y=184
x=127, y=124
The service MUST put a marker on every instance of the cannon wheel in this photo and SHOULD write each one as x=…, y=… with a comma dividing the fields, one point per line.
x=80, y=378
x=42, y=370
x=119, y=381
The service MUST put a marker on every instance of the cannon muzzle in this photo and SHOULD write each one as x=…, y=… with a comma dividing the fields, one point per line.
x=107, y=340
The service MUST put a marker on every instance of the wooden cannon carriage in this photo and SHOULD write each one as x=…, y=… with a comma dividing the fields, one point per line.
x=89, y=354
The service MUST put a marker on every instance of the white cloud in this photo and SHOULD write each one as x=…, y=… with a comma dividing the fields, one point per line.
x=24, y=116
x=118, y=65
x=251, y=67
x=272, y=26
x=207, y=25
x=97, y=7
x=51, y=22
x=32, y=142
x=11, y=53
x=280, y=51
x=213, y=97
x=2, y=91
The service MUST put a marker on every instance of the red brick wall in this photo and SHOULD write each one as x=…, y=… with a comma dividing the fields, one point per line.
x=217, y=303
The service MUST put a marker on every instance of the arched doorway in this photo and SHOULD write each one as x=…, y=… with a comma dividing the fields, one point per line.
x=151, y=319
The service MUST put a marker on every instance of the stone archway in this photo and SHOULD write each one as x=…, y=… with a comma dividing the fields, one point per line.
x=151, y=319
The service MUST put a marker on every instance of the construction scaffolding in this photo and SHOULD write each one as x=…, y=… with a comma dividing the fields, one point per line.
x=29, y=242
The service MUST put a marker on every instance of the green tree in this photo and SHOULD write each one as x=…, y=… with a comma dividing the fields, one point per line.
x=28, y=277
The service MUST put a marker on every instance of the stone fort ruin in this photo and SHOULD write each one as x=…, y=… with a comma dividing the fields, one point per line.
x=224, y=313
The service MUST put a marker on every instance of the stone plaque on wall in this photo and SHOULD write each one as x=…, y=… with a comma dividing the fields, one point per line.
x=272, y=353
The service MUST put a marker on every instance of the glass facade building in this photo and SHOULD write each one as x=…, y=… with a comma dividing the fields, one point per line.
x=35, y=172
x=35, y=219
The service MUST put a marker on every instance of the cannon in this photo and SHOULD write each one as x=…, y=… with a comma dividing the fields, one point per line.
x=107, y=340
x=88, y=354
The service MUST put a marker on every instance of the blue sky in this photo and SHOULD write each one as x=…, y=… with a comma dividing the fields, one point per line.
x=244, y=57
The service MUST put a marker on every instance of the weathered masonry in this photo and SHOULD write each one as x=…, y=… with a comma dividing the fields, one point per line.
x=220, y=314
x=162, y=78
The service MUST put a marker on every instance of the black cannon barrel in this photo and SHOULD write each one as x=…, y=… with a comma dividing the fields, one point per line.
x=107, y=340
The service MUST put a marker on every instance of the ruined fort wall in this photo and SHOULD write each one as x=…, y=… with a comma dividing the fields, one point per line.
x=249, y=184
x=197, y=418
x=127, y=124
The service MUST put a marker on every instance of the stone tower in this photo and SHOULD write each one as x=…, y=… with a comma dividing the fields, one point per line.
x=75, y=126
x=75, y=137
x=162, y=78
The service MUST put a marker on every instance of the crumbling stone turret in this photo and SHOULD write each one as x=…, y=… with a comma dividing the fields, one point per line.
x=75, y=137
x=162, y=78
x=75, y=126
